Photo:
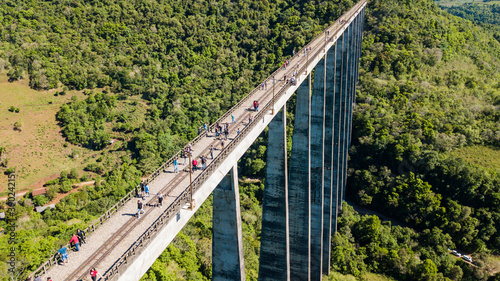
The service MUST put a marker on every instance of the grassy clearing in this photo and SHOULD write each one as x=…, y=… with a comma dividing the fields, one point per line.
x=494, y=263
x=483, y=156
x=38, y=151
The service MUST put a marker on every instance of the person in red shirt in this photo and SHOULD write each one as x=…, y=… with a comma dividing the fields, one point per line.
x=75, y=241
x=94, y=273
x=195, y=163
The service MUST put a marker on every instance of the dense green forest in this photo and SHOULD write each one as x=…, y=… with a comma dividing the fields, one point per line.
x=489, y=14
x=155, y=70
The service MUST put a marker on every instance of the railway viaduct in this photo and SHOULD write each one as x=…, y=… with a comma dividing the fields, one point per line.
x=301, y=198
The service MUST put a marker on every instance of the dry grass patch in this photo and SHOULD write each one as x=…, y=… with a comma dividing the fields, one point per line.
x=38, y=150
x=483, y=156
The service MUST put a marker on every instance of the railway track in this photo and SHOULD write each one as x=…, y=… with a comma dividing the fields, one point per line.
x=264, y=97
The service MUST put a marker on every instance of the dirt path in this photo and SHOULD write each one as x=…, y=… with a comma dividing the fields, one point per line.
x=58, y=197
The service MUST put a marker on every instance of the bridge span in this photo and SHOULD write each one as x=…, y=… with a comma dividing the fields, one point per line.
x=300, y=203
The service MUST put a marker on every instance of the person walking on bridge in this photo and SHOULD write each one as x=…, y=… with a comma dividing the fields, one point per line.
x=139, y=209
x=195, y=164
x=94, y=273
x=211, y=151
x=160, y=199
x=75, y=241
x=176, y=168
x=142, y=188
x=203, y=162
x=81, y=235
x=256, y=105
x=63, y=251
x=146, y=190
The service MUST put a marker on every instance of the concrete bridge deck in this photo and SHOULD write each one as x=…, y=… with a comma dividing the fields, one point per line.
x=114, y=237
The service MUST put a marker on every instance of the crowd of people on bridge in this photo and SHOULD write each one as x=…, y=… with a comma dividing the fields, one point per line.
x=78, y=238
x=221, y=133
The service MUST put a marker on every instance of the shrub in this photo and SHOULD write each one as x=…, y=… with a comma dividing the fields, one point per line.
x=12, y=108
x=17, y=110
x=85, y=177
x=52, y=182
x=73, y=174
x=40, y=200
x=9, y=171
x=18, y=126
x=98, y=169
x=65, y=187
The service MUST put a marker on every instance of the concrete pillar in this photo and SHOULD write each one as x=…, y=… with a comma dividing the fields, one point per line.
x=344, y=111
x=299, y=187
x=351, y=91
x=317, y=155
x=227, y=243
x=337, y=121
x=328, y=159
x=274, y=242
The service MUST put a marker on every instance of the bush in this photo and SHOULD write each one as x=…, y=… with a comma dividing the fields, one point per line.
x=17, y=110
x=65, y=187
x=12, y=108
x=52, y=192
x=40, y=200
x=73, y=174
x=52, y=182
x=18, y=126
x=98, y=169
x=85, y=177
x=9, y=171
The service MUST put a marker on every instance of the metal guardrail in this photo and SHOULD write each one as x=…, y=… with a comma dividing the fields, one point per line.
x=182, y=199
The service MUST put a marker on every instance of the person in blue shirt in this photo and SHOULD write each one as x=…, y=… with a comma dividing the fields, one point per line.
x=64, y=254
x=146, y=190
x=176, y=169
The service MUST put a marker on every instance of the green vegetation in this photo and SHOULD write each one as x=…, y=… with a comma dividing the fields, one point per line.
x=39, y=236
x=428, y=95
x=429, y=86
x=486, y=14
x=452, y=3
x=83, y=122
x=485, y=157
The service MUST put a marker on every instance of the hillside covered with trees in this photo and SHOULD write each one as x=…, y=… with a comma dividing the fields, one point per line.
x=428, y=88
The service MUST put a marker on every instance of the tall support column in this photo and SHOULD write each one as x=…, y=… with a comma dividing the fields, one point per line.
x=299, y=187
x=227, y=247
x=317, y=155
x=344, y=110
x=328, y=158
x=348, y=104
x=337, y=121
x=359, y=38
x=274, y=246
